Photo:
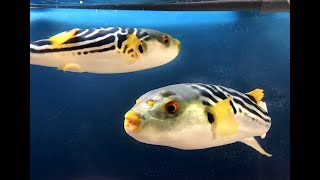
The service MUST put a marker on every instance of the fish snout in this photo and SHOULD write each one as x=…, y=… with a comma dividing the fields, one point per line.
x=177, y=42
x=132, y=122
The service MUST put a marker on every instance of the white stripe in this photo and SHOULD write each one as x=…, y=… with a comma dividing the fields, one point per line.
x=82, y=33
x=96, y=31
x=134, y=31
x=33, y=46
x=144, y=37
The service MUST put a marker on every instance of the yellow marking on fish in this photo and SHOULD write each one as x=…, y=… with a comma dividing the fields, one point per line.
x=257, y=94
x=132, y=48
x=61, y=38
x=150, y=103
x=71, y=67
x=225, y=123
x=138, y=100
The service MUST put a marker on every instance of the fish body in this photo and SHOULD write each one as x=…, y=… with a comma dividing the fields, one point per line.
x=105, y=50
x=193, y=116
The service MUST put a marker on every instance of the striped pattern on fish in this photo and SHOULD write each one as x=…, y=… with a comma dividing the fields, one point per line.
x=242, y=102
x=105, y=50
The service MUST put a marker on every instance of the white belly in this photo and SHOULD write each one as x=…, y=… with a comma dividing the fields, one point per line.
x=196, y=135
x=107, y=62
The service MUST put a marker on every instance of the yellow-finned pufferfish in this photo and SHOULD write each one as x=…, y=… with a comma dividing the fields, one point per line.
x=105, y=50
x=196, y=116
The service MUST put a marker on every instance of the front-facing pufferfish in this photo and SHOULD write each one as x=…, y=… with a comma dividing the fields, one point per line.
x=105, y=50
x=197, y=116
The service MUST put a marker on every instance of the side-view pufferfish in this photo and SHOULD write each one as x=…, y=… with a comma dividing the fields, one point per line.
x=197, y=116
x=105, y=50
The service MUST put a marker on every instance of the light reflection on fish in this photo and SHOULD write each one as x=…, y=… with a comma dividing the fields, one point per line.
x=105, y=50
x=197, y=116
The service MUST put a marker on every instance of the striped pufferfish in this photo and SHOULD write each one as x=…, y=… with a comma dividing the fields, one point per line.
x=193, y=116
x=105, y=50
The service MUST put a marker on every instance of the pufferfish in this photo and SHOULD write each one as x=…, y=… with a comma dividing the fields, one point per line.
x=105, y=50
x=193, y=116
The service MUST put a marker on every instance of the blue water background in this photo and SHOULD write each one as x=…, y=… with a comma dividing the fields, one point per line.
x=76, y=120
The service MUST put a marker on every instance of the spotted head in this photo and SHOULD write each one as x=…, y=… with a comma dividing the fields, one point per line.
x=162, y=116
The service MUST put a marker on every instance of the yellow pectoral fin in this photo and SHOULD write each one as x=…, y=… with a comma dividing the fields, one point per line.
x=224, y=121
x=256, y=95
x=59, y=39
x=131, y=48
x=72, y=67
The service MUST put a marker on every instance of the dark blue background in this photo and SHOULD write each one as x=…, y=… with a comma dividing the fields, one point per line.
x=76, y=120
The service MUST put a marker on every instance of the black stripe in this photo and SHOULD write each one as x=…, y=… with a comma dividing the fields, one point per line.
x=106, y=41
x=234, y=109
x=205, y=93
x=166, y=93
x=102, y=32
x=141, y=34
x=218, y=94
x=103, y=50
x=206, y=103
x=130, y=51
x=140, y=49
x=214, y=91
x=251, y=97
x=210, y=118
x=130, y=30
x=125, y=48
x=121, y=38
x=245, y=98
x=250, y=110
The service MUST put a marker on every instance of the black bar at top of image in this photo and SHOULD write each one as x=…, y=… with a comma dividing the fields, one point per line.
x=213, y=5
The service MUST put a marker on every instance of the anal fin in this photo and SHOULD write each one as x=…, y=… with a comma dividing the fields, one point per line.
x=72, y=67
x=252, y=142
x=263, y=135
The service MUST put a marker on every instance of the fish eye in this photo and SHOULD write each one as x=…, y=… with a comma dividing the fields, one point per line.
x=165, y=39
x=172, y=107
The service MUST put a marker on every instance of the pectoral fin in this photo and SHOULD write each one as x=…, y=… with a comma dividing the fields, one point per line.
x=60, y=38
x=224, y=123
x=132, y=48
x=252, y=142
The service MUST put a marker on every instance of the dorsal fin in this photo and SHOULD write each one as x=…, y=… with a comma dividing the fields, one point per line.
x=255, y=95
x=60, y=38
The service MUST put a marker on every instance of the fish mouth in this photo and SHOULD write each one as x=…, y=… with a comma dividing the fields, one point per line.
x=177, y=42
x=132, y=122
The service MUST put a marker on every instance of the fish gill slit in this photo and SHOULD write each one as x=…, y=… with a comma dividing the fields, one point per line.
x=210, y=117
